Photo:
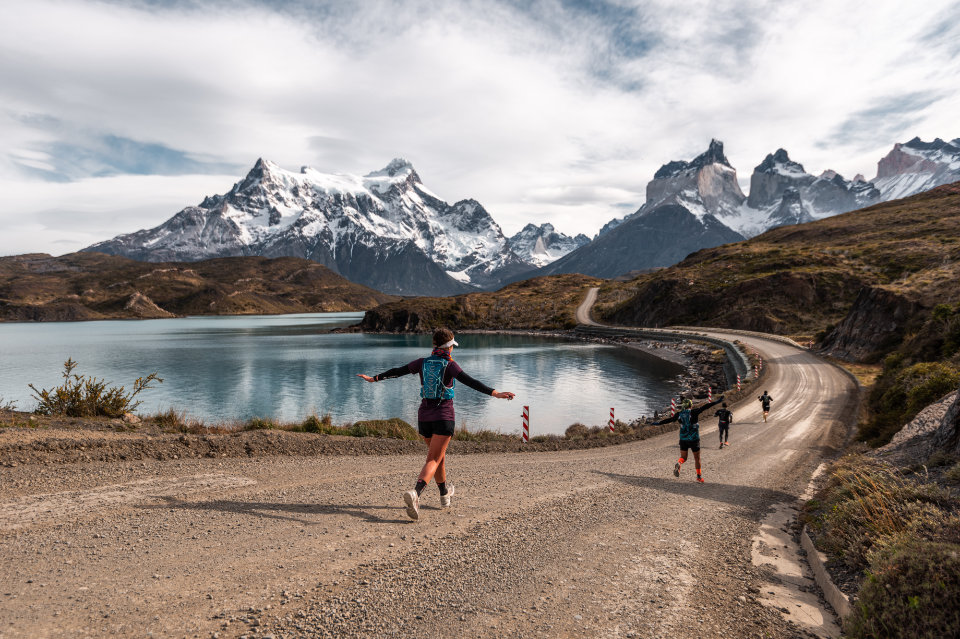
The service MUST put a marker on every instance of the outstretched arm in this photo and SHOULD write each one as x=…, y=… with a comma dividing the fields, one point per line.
x=481, y=387
x=696, y=411
x=667, y=420
x=399, y=371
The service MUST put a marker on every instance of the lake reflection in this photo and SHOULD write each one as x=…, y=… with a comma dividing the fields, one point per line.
x=289, y=366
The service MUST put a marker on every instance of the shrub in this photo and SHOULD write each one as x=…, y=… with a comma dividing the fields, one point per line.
x=953, y=475
x=82, y=396
x=261, y=423
x=172, y=420
x=394, y=428
x=900, y=394
x=912, y=593
x=5, y=405
x=576, y=431
x=323, y=425
x=865, y=506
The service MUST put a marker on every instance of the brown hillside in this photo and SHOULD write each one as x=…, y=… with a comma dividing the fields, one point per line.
x=82, y=286
x=886, y=262
x=541, y=303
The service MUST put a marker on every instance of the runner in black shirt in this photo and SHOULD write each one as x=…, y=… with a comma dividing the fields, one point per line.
x=725, y=419
x=765, y=401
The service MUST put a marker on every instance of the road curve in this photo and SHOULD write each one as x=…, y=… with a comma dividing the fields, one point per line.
x=599, y=543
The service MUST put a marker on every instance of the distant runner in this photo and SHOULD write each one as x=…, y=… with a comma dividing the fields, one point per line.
x=689, y=433
x=723, y=424
x=435, y=419
x=765, y=400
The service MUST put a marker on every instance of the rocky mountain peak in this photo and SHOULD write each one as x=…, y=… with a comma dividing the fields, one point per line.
x=778, y=161
x=397, y=167
x=713, y=155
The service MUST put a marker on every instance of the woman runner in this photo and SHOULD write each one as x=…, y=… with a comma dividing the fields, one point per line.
x=689, y=433
x=435, y=419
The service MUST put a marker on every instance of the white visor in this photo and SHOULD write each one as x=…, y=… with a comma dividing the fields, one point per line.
x=452, y=342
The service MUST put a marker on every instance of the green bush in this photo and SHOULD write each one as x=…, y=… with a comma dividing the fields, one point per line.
x=953, y=475
x=82, y=396
x=261, y=423
x=322, y=425
x=899, y=394
x=913, y=592
x=866, y=506
x=394, y=428
x=172, y=420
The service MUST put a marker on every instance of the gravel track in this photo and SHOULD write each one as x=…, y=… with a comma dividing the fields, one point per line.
x=602, y=542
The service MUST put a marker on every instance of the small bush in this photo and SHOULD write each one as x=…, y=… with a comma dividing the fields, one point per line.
x=261, y=423
x=322, y=425
x=5, y=405
x=866, y=506
x=172, y=420
x=900, y=394
x=576, y=431
x=82, y=396
x=913, y=593
x=394, y=428
x=953, y=475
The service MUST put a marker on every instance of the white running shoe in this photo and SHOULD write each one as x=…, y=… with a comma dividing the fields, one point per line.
x=445, y=499
x=412, y=500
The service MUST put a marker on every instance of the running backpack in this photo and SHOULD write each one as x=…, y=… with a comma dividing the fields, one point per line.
x=432, y=371
x=688, y=428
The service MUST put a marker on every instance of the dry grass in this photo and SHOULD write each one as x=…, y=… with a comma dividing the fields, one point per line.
x=542, y=303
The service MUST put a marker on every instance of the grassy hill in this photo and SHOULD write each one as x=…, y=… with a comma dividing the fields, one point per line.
x=803, y=279
x=84, y=286
x=541, y=303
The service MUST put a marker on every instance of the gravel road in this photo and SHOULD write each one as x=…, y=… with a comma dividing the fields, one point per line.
x=598, y=543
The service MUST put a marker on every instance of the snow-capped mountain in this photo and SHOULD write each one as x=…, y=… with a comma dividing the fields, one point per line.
x=782, y=192
x=686, y=202
x=542, y=245
x=384, y=229
x=917, y=166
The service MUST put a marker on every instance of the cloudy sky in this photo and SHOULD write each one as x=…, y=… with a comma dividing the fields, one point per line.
x=114, y=115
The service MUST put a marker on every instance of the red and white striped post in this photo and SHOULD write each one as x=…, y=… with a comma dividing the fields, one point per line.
x=526, y=424
x=709, y=394
x=759, y=360
x=673, y=406
x=738, y=381
x=756, y=371
x=610, y=423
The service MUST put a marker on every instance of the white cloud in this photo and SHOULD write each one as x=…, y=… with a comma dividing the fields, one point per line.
x=539, y=111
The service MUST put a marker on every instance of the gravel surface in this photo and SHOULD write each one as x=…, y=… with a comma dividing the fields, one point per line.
x=598, y=542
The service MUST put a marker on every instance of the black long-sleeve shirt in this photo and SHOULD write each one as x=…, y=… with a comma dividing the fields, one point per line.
x=436, y=409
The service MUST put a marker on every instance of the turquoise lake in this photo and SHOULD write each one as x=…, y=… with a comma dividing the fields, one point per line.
x=290, y=366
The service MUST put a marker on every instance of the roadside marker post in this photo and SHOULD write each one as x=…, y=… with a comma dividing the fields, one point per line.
x=673, y=406
x=526, y=424
x=738, y=382
x=610, y=423
x=709, y=394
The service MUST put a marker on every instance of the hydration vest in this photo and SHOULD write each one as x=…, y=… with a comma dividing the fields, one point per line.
x=432, y=371
x=689, y=429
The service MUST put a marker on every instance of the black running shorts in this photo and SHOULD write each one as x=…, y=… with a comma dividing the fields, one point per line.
x=440, y=427
x=692, y=444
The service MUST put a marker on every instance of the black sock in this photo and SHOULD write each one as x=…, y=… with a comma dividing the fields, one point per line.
x=442, y=485
x=420, y=486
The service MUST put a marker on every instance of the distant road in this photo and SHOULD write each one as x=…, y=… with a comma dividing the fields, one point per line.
x=583, y=311
x=591, y=543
